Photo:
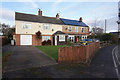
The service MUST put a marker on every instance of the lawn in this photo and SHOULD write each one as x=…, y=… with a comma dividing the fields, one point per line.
x=5, y=58
x=51, y=51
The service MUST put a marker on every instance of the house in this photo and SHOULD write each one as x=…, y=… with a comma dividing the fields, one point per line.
x=57, y=30
x=97, y=30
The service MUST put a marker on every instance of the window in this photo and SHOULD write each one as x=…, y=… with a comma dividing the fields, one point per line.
x=70, y=29
x=46, y=27
x=61, y=37
x=76, y=29
x=26, y=26
x=82, y=30
x=71, y=39
x=45, y=38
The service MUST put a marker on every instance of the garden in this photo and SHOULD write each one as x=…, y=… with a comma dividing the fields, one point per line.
x=51, y=51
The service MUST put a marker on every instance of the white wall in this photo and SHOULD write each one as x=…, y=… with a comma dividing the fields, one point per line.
x=36, y=27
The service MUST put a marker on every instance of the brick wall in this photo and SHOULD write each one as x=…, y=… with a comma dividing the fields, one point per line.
x=86, y=30
x=36, y=41
x=77, y=54
x=17, y=39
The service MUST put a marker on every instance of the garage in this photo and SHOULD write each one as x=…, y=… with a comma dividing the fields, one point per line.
x=25, y=39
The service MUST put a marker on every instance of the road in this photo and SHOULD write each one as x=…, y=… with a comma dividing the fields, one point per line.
x=116, y=59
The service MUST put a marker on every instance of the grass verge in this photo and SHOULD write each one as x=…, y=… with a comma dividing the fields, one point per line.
x=5, y=58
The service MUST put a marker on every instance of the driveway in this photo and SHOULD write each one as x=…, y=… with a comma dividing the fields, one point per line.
x=26, y=57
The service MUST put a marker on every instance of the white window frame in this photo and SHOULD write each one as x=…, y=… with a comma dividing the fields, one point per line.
x=71, y=37
x=26, y=26
x=70, y=28
x=61, y=37
x=46, y=27
x=46, y=38
x=76, y=29
x=82, y=29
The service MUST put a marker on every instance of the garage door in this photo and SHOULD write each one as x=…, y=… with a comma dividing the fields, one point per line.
x=25, y=39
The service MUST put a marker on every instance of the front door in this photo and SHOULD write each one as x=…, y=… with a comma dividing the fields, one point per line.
x=55, y=40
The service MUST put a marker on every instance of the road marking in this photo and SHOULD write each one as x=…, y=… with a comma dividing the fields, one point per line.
x=116, y=68
x=116, y=54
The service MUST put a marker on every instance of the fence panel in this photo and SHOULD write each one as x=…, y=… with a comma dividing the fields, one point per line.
x=77, y=54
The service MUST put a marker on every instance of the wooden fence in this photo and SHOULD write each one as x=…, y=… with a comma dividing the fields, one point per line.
x=77, y=54
x=3, y=40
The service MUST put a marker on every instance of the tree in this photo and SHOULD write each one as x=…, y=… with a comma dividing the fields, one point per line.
x=107, y=37
x=97, y=26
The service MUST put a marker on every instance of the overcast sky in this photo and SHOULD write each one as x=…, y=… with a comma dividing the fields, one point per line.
x=89, y=11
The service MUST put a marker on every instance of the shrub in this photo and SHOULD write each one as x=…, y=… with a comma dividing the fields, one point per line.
x=115, y=39
x=38, y=35
x=44, y=42
x=48, y=42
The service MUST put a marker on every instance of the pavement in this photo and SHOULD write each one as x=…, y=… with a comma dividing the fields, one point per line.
x=25, y=57
x=102, y=66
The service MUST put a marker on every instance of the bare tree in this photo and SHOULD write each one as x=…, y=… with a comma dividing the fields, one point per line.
x=97, y=26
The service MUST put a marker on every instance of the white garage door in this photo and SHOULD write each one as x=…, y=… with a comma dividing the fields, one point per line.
x=25, y=39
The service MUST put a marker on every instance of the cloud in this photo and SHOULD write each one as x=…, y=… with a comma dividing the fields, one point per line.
x=63, y=1
x=7, y=16
x=55, y=6
x=105, y=10
x=32, y=2
x=111, y=24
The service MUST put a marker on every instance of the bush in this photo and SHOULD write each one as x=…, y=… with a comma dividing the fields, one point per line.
x=44, y=42
x=48, y=42
x=38, y=35
x=115, y=39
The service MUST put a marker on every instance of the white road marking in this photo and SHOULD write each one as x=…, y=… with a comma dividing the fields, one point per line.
x=116, y=54
x=116, y=67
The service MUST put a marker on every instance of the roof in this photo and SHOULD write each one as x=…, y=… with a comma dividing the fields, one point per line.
x=59, y=32
x=36, y=18
x=44, y=19
x=115, y=33
x=73, y=22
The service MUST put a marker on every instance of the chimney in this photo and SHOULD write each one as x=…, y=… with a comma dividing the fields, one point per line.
x=57, y=16
x=80, y=19
x=40, y=12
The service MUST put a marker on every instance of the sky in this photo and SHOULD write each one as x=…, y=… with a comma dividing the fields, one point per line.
x=89, y=11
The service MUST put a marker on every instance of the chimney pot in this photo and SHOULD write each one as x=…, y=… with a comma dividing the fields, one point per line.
x=40, y=12
x=57, y=16
x=80, y=19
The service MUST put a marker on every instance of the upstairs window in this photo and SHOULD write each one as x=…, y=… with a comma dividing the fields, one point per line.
x=26, y=26
x=46, y=27
x=76, y=29
x=70, y=29
x=82, y=30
